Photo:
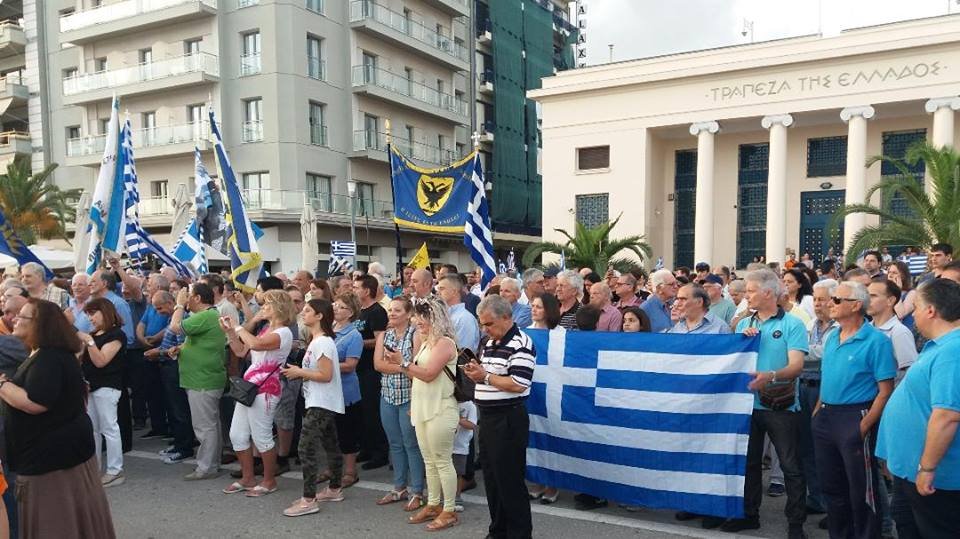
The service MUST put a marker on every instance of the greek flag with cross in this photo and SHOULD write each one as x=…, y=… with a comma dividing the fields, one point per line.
x=655, y=420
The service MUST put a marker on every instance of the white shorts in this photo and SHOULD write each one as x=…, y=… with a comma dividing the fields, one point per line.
x=254, y=422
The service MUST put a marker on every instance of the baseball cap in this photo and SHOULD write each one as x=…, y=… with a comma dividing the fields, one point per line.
x=702, y=266
x=551, y=272
x=713, y=279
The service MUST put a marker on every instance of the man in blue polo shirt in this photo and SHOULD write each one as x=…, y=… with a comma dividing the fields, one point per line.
x=783, y=345
x=659, y=303
x=856, y=379
x=918, y=431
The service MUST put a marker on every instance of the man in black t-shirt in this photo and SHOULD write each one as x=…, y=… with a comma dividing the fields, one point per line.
x=371, y=323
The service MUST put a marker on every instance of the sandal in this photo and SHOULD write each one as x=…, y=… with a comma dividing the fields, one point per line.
x=353, y=479
x=443, y=521
x=414, y=502
x=392, y=497
x=429, y=512
x=260, y=491
x=235, y=487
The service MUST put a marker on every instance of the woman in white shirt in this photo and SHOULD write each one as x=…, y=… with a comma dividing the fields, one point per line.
x=323, y=398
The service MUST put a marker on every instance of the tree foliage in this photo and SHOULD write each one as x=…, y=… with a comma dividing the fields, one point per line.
x=592, y=248
x=33, y=205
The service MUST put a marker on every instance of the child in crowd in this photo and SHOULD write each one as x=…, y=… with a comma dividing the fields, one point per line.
x=461, y=445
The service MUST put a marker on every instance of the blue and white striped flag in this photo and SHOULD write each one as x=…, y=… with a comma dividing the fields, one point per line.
x=659, y=264
x=644, y=419
x=343, y=248
x=246, y=264
x=917, y=264
x=106, y=206
x=477, y=234
x=189, y=248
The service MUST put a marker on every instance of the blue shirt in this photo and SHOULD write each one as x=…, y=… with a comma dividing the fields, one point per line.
x=709, y=324
x=80, y=319
x=658, y=313
x=779, y=334
x=171, y=339
x=903, y=427
x=465, y=326
x=850, y=370
x=521, y=315
x=153, y=322
x=349, y=344
x=123, y=309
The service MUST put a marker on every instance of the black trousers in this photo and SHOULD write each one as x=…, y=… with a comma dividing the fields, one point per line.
x=153, y=386
x=937, y=516
x=848, y=471
x=784, y=430
x=136, y=382
x=177, y=407
x=504, y=433
x=373, y=440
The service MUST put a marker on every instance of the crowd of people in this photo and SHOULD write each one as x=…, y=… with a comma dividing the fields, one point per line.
x=856, y=367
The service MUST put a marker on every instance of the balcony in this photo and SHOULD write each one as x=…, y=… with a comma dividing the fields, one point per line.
x=454, y=8
x=246, y=3
x=143, y=78
x=485, y=32
x=249, y=64
x=253, y=131
x=12, y=39
x=485, y=82
x=373, y=145
x=316, y=68
x=129, y=16
x=149, y=143
x=318, y=135
x=373, y=18
x=388, y=86
x=15, y=143
x=13, y=92
x=487, y=129
x=280, y=205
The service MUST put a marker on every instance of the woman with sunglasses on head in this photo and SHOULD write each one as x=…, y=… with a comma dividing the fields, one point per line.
x=102, y=363
x=433, y=409
x=49, y=436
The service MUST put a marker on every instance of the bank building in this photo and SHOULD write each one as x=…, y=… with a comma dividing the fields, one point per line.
x=725, y=154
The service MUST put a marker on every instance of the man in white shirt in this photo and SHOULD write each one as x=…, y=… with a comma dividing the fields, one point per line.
x=884, y=295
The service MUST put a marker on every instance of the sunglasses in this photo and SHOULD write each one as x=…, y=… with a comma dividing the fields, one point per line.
x=838, y=301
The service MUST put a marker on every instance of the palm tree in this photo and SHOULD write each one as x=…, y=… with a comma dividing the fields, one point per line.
x=33, y=205
x=592, y=248
x=931, y=218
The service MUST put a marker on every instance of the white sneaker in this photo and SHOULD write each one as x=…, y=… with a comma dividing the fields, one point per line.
x=112, y=480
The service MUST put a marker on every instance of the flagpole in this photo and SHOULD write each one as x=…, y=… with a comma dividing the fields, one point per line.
x=393, y=195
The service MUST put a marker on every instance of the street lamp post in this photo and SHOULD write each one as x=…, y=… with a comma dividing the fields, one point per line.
x=352, y=191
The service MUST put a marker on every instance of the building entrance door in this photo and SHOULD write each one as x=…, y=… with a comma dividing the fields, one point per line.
x=816, y=210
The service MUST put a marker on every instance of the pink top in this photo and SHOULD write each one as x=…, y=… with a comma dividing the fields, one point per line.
x=610, y=319
x=263, y=363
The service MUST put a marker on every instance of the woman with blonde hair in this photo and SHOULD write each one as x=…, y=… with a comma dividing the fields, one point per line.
x=268, y=351
x=433, y=409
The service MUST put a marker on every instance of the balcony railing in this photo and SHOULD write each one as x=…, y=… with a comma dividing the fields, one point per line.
x=142, y=138
x=316, y=68
x=10, y=78
x=249, y=64
x=370, y=140
x=246, y=3
x=170, y=67
x=484, y=26
x=9, y=138
x=253, y=131
x=291, y=201
x=369, y=10
x=318, y=135
x=120, y=10
x=382, y=78
x=159, y=205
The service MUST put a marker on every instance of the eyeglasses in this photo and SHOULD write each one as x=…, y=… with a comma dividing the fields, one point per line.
x=838, y=301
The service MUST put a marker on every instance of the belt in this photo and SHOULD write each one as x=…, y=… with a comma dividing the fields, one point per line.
x=854, y=406
x=810, y=382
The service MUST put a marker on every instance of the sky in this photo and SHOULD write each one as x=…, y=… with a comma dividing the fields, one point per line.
x=643, y=28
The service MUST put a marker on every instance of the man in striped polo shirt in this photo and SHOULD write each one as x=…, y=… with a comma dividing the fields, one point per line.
x=503, y=376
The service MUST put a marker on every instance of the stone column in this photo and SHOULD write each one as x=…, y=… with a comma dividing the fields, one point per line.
x=856, y=118
x=942, y=110
x=776, y=246
x=703, y=219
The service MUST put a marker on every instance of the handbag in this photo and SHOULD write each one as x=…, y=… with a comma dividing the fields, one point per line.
x=778, y=396
x=244, y=391
x=463, y=387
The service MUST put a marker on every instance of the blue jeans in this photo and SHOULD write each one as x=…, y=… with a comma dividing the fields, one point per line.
x=408, y=469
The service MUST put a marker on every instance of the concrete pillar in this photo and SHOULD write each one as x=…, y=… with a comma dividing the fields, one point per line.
x=703, y=219
x=776, y=245
x=856, y=118
x=942, y=110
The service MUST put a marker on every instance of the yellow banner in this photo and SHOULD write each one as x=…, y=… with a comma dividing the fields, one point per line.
x=421, y=259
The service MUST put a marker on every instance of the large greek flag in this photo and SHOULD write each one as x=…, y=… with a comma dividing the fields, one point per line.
x=189, y=248
x=477, y=234
x=106, y=207
x=644, y=419
x=246, y=264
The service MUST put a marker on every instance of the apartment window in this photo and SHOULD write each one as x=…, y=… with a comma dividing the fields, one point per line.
x=158, y=189
x=253, y=120
x=148, y=123
x=461, y=150
x=315, y=5
x=410, y=134
x=315, y=58
x=250, y=57
x=67, y=11
x=146, y=59
x=409, y=75
x=441, y=142
x=593, y=210
x=369, y=68
x=593, y=158
x=256, y=185
x=320, y=189
x=826, y=157
x=73, y=132
x=365, y=199
x=246, y=3
x=440, y=85
x=104, y=125
x=146, y=56
x=407, y=20
x=195, y=117
x=191, y=47
x=318, y=129
x=70, y=72
x=370, y=125
x=100, y=64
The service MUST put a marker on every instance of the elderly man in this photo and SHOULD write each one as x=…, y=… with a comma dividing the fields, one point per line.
x=610, y=317
x=301, y=280
x=855, y=382
x=503, y=377
x=421, y=282
x=626, y=290
x=884, y=296
x=34, y=279
x=532, y=284
x=918, y=431
x=694, y=304
x=14, y=298
x=658, y=304
x=80, y=284
x=568, y=289
x=150, y=331
x=783, y=344
x=464, y=324
x=721, y=308
x=510, y=290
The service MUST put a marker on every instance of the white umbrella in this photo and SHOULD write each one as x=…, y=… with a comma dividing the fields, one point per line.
x=308, y=236
x=81, y=237
x=182, y=202
x=53, y=258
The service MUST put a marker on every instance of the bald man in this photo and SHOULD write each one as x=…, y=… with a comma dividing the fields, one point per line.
x=422, y=283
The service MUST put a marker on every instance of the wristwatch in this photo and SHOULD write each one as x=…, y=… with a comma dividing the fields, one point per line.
x=920, y=468
x=91, y=343
x=405, y=364
x=486, y=379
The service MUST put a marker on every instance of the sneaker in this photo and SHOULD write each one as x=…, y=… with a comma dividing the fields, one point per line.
x=175, y=457
x=741, y=524
x=712, y=523
x=197, y=475
x=588, y=503
x=796, y=532
x=824, y=524
x=302, y=507
x=167, y=451
x=458, y=505
x=684, y=516
x=111, y=480
x=775, y=490
x=330, y=495
x=153, y=434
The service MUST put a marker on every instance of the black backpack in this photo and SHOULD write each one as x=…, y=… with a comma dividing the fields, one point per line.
x=463, y=386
